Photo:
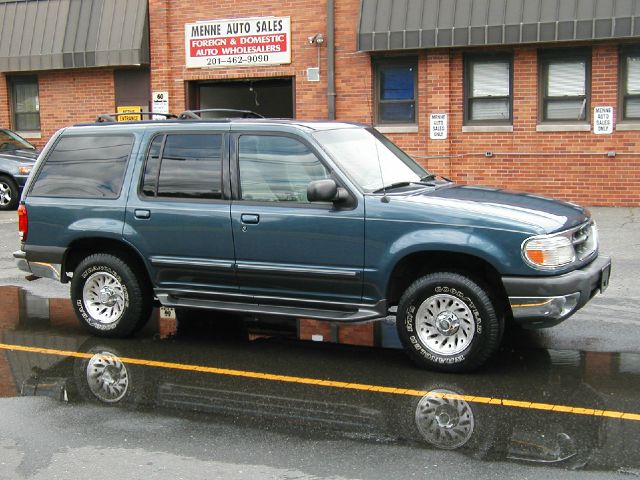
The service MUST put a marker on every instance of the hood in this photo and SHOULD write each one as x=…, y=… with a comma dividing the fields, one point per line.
x=502, y=208
x=26, y=156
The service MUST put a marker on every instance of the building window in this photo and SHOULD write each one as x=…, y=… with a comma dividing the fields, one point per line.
x=488, y=89
x=564, y=83
x=630, y=84
x=25, y=103
x=396, y=91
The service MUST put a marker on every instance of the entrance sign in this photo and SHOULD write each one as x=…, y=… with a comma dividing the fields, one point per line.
x=438, y=126
x=602, y=120
x=160, y=102
x=129, y=109
x=238, y=42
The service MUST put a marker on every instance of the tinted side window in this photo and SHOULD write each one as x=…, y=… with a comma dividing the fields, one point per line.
x=88, y=166
x=190, y=167
x=277, y=169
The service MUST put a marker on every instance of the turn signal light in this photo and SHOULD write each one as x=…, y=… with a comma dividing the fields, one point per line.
x=23, y=222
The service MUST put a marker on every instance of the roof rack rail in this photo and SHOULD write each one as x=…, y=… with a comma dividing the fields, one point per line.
x=231, y=113
x=113, y=117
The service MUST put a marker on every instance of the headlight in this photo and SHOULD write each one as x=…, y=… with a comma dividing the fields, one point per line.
x=548, y=252
x=25, y=169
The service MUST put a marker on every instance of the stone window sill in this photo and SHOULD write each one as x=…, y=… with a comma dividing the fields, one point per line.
x=625, y=127
x=569, y=127
x=28, y=135
x=397, y=128
x=487, y=129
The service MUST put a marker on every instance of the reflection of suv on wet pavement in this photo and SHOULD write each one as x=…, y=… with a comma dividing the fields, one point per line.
x=324, y=220
x=17, y=157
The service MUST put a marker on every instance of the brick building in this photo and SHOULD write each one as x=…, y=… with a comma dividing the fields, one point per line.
x=537, y=95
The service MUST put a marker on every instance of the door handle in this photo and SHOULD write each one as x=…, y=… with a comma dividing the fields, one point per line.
x=250, y=218
x=141, y=213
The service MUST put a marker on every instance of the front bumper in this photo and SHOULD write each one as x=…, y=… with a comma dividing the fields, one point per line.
x=538, y=302
x=37, y=269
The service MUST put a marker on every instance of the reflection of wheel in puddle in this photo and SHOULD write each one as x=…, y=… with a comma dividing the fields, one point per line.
x=443, y=420
x=107, y=377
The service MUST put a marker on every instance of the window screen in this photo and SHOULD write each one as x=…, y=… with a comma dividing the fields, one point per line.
x=396, y=87
x=630, y=65
x=184, y=166
x=88, y=166
x=277, y=169
x=565, y=87
x=488, y=90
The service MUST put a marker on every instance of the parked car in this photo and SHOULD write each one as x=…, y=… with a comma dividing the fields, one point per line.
x=17, y=157
x=321, y=220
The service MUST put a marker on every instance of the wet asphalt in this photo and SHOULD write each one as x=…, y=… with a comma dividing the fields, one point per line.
x=247, y=399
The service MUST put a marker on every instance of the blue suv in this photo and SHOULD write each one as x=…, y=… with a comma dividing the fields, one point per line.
x=320, y=220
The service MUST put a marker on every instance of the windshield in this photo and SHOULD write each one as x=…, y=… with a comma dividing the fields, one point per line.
x=369, y=158
x=10, y=141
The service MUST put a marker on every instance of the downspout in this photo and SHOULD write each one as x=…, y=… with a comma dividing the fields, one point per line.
x=331, y=81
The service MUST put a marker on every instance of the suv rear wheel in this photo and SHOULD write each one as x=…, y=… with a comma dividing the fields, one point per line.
x=110, y=297
x=447, y=321
x=8, y=194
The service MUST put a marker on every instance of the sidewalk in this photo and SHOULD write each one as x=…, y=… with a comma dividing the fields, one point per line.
x=619, y=229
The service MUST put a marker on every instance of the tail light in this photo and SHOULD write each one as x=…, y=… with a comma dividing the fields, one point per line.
x=23, y=222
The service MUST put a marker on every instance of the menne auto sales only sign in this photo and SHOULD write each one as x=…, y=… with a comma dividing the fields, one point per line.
x=238, y=42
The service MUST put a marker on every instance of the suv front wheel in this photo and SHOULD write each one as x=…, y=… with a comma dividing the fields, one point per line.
x=447, y=321
x=109, y=296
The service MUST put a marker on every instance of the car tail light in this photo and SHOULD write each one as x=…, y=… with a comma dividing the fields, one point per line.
x=23, y=222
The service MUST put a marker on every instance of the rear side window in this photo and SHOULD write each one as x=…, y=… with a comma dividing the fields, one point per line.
x=184, y=166
x=88, y=166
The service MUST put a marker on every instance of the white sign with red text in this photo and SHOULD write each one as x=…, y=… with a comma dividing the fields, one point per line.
x=238, y=42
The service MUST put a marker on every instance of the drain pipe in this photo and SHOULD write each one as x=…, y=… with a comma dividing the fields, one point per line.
x=331, y=81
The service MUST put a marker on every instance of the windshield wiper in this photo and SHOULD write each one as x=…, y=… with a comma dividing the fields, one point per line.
x=393, y=185
x=401, y=184
x=431, y=176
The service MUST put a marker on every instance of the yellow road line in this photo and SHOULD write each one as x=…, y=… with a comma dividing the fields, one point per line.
x=336, y=384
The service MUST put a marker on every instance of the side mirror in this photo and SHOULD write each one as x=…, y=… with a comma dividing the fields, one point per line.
x=326, y=191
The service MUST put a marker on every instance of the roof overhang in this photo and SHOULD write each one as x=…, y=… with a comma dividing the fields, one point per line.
x=411, y=24
x=56, y=34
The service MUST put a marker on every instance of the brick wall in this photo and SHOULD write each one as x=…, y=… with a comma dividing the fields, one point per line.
x=9, y=315
x=67, y=97
x=567, y=165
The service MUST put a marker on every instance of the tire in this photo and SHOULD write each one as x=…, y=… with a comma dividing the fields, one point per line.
x=447, y=322
x=9, y=197
x=110, y=297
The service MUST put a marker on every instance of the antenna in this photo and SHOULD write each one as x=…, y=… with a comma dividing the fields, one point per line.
x=384, y=199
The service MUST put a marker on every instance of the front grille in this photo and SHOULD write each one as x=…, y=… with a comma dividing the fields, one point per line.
x=585, y=241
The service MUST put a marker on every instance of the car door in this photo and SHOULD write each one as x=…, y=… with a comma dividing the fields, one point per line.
x=178, y=215
x=287, y=247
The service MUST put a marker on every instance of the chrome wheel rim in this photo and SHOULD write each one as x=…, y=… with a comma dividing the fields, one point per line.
x=5, y=194
x=445, y=324
x=107, y=377
x=444, y=422
x=103, y=297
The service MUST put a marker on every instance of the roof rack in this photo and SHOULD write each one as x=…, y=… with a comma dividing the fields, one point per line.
x=113, y=117
x=230, y=113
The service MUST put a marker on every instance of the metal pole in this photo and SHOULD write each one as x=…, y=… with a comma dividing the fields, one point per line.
x=331, y=88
